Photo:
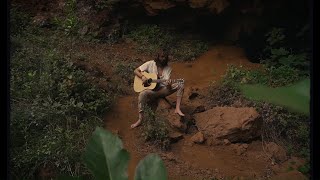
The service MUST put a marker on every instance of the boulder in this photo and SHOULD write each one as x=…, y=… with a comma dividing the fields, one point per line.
x=175, y=121
x=233, y=124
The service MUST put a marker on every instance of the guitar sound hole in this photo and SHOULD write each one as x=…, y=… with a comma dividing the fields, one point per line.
x=148, y=83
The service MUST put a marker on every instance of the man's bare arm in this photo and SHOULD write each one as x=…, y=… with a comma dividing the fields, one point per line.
x=138, y=73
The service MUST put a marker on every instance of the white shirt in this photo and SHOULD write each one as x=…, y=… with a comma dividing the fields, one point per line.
x=151, y=67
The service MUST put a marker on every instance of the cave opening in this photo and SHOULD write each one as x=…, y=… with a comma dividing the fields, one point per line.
x=242, y=23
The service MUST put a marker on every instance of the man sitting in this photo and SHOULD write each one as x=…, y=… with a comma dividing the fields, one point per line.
x=160, y=67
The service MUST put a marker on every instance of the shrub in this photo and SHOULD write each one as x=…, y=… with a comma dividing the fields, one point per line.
x=70, y=23
x=107, y=159
x=155, y=129
x=187, y=50
x=18, y=21
x=280, y=54
x=282, y=75
x=105, y=4
x=125, y=71
x=152, y=37
x=279, y=125
x=272, y=76
x=53, y=108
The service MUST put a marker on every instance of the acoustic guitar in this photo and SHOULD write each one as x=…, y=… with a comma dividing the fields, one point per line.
x=151, y=83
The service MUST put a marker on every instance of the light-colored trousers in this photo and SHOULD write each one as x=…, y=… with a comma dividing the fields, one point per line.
x=152, y=97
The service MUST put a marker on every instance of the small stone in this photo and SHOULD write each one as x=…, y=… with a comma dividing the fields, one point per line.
x=199, y=109
x=226, y=142
x=175, y=137
x=198, y=138
x=245, y=145
x=193, y=95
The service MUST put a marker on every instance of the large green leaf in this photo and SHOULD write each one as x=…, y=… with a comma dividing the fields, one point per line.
x=105, y=156
x=295, y=97
x=151, y=167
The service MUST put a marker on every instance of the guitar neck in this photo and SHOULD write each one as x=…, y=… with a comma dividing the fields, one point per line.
x=158, y=80
x=163, y=80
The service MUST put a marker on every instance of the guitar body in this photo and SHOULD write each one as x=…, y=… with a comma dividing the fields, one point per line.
x=138, y=86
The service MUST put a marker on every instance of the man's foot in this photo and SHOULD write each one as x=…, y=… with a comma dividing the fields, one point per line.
x=136, y=124
x=179, y=112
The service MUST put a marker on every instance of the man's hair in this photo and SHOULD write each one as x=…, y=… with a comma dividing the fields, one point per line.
x=165, y=52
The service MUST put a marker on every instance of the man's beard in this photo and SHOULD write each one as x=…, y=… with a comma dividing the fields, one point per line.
x=162, y=63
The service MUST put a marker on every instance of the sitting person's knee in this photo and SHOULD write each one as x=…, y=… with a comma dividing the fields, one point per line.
x=144, y=94
x=181, y=86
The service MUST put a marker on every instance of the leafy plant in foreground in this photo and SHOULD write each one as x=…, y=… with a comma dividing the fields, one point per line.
x=107, y=159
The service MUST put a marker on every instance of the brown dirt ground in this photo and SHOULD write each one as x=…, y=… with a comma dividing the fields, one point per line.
x=184, y=160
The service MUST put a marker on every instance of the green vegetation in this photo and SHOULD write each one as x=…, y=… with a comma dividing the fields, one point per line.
x=155, y=129
x=107, y=159
x=274, y=77
x=305, y=169
x=53, y=105
x=282, y=64
x=280, y=92
x=151, y=167
x=69, y=23
x=288, y=128
x=125, y=71
x=295, y=97
x=105, y=156
x=152, y=37
x=105, y=4
x=279, y=52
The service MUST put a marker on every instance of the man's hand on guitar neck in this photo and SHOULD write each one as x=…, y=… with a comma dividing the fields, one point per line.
x=169, y=83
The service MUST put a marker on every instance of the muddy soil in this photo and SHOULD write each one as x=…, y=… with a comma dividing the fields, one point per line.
x=186, y=160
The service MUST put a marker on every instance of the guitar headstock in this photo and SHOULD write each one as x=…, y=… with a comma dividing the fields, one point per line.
x=180, y=81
